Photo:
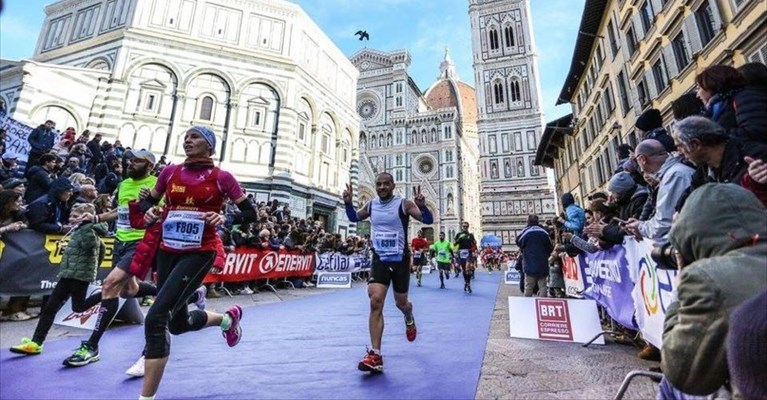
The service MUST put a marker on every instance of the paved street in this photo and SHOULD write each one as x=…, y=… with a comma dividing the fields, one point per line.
x=512, y=368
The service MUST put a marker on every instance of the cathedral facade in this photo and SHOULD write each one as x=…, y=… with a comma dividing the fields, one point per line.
x=422, y=139
x=280, y=96
x=509, y=120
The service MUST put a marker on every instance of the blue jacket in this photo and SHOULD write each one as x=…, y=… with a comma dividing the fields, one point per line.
x=576, y=218
x=536, y=247
x=41, y=140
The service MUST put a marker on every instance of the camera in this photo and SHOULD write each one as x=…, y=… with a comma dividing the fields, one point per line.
x=664, y=256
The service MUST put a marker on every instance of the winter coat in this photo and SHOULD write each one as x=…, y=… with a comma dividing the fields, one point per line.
x=84, y=252
x=38, y=183
x=536, y=247
x=630, y=205
x=750, y=109
x=41, y=140
x=722, y=232
x=47, y=214
x=675, y=177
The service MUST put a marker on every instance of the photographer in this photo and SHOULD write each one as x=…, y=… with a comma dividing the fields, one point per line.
x=720, y=239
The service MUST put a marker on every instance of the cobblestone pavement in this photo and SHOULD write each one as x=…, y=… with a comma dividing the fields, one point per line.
x=534, y=369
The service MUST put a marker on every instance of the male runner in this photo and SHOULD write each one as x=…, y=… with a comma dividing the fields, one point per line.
x=467, y=246
x=389, y=216
x=418, y=247
x=444, y=251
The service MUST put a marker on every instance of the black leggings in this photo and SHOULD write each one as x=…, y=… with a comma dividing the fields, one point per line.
x=178, y=276
x=65, y=289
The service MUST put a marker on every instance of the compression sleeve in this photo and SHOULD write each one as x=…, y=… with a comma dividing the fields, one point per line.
x=351, y=213
x=426, y=216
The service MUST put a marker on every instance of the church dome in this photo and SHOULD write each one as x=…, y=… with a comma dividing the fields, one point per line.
x=449, y=91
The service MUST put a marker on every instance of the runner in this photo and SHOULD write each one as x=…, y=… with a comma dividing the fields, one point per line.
x=444, y=251
x=194, y=192
x=120, y=282
x=467, y=247
x=418, y=246
x=389, y=215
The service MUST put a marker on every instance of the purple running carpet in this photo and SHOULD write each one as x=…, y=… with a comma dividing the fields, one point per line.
x=300, y=349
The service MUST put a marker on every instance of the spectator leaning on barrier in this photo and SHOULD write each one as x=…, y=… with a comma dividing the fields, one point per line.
x=674, y=178
x=536, y=246
x=720, y=240
x=627, y=195
x=50, y=213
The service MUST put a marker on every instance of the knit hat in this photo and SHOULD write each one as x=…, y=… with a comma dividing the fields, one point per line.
x=649, y=120
x=208, y=134
x=621, y=183
x=746, y=353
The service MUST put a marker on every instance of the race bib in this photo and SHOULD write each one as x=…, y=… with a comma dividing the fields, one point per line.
x=463, y=253
x=417, y=254
x=386, y=243
x=183, y=230
x=442, y=254
x=123, y=218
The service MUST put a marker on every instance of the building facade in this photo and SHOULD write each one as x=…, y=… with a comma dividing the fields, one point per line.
x=633, y=55
x=509, y=121
x=278, y=93
x=427, y=140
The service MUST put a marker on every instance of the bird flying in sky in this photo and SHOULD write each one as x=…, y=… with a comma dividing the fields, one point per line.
x=363, y=35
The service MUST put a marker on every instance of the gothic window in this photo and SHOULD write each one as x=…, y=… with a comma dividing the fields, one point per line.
x=448, y=155
x=206, y=108
x=515, y=93
x=399, y=137
x=380, y=141
x=508, y=35
x=493, y=36
x=423, y=136
x=498, y=90
x=434, y=134
x=363, y=140
x=414, y=137
x=520, y=167
x=388, y=139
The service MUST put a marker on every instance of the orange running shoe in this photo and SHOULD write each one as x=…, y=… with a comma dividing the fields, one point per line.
x=372, y=362
x=410, y=329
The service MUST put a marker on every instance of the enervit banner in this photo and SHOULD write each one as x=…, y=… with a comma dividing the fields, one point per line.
x=246, y=263
x=334, y=280
x=29, y=262
x=128, y=311
x=564, y=320
x=611, y=284
x=337, y=262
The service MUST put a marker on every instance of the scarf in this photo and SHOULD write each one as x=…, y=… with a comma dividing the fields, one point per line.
x=198, y=162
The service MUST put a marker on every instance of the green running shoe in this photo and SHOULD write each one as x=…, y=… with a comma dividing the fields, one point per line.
x=27, y=347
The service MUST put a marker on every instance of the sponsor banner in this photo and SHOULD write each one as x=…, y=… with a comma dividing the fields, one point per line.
x=512, y=277
x=334, y=280
x=576, y=277
x=653, y=290
x=563, y=320
x=611, y=284
x=337, y=262
x=16, y=137
x=29, y=262
x=247, y=263
x=128, y=311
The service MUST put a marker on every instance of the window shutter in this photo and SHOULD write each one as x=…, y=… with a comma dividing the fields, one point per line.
x=637, y=22
x=670, y=61
x=657, y=5
x=649, y=82
x=692, y=35
x=716, y=15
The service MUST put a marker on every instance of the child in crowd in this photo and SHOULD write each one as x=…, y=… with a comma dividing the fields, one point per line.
x=83, y=254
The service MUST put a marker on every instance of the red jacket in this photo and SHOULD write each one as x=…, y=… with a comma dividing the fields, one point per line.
x=755, y=187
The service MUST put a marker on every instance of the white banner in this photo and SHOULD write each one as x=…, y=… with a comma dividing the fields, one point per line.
x=337, y=262
x=17, y=137
x=512, y=277
x=334, y=280
x=563, y=320
x=653, y=290
x=128, y=310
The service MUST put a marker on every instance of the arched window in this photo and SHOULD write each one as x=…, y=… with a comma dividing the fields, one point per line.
x=516, y=95
x=423, y=136
x=508, y=34
x=434, y=137
x=380, y=141
x=388, y=139
x=206, y=108
x=414, y=137
x=493, y=35
x=498, y=92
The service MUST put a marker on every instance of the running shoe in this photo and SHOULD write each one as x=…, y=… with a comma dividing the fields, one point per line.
x=469, y=288
x=234, y=332
x=466, y=287
x=410, y=329
x=137, y=369
x=419, y=283
x=199, y=298
x=85, y=355
x=27, y=347
x=372, y=362
x=442, y=286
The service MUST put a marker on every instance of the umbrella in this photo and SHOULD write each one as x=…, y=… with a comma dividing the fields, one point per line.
x=492, y=241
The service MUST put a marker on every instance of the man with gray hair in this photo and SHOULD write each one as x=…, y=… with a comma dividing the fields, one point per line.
x=707, y=145
x=674, y=178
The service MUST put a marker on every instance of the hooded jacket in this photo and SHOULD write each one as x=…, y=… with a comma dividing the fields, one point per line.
x=84, y=252
x=722, y=233
x=48, y=214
